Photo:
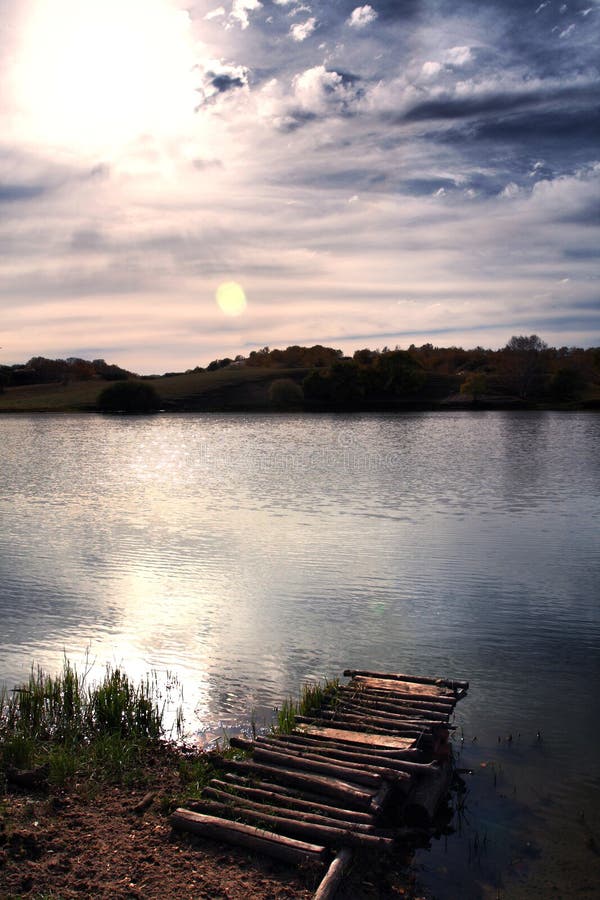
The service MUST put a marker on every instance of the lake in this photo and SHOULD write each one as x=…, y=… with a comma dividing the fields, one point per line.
x=244, y=555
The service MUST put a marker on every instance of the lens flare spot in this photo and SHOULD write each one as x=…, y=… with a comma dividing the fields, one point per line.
x=231, y=298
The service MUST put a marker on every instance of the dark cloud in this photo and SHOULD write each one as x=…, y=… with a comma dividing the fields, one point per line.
x=15, y=193
x=225, y=82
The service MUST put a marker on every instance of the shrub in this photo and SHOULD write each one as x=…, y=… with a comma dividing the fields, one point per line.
x=128, y=397
x=284, y=393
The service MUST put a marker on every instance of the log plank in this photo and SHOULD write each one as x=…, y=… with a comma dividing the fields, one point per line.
x=288, y=849
x=328, y=836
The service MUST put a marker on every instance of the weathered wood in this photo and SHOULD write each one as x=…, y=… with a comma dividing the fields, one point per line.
x=277, y=845
x=271, y=809
x=408, y=708
x=413, y=689
x=425, y=797
x=361, y=772
x=297, y=761
x=381, y=798
x=335, y=873
x=411, y=718
x=393, y=705
x=336, y=837
x=370, y=723
x=351, y=793
x=385, y=762
x=415, y=679
x=393, y=752
x=274, y=793
x=349, y=736
x=393, y=696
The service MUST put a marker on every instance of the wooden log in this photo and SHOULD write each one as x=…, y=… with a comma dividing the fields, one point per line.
x=397, y=697
x=393, y=696
x=381, y=798
x=425, y=797
x=353, y=795
x=405, y=687
x=256, y=839
x=241, y=743
x=317, y=728
x=370, y=723
x=410, y=717
x=360, y=771
x=360, y=746
x=397, y=705
x=273, y=809
x=329, y=837
x=415, y=679
x=347, y=755
x=273, y=794
x=335, y=873
x=296, y=761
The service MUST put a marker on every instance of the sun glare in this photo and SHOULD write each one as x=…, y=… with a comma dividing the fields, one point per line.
x=97, y=74
x=231, y=298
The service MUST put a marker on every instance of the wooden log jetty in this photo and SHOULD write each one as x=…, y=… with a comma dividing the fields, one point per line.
x=366, y=769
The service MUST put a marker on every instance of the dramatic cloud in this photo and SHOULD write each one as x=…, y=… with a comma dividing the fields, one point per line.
x=408, y=171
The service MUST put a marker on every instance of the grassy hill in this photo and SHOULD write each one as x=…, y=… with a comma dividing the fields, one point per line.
x=229, y=388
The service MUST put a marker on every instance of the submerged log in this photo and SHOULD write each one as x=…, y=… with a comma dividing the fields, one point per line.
x=288, y=849
x=351, y=793
x=305, y=830
x=274, y=794
x=415, y=679
x=335, y=873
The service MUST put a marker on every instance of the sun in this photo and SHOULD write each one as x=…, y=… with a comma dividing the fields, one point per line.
x=100, y=73
x=231, y=298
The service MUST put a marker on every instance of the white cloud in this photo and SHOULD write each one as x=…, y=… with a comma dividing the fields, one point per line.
x=302, y=30
x=362, y=16
x=458, y=56
x=430, y=69
x=541, y=7
x=215, y=13
x=240, y=10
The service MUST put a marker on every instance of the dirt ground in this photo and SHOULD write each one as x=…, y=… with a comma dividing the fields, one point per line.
x=88, y=841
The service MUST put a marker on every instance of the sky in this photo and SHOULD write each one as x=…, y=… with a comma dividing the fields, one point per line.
x=180, y=183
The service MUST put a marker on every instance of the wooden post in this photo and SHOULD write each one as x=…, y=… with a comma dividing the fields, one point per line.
x=335, y=873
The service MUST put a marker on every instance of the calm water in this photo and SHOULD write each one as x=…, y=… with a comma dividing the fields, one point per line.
x=249, y=554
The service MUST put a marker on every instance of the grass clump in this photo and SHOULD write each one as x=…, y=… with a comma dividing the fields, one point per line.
x=69, y=726
x=312, y=697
